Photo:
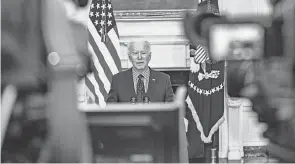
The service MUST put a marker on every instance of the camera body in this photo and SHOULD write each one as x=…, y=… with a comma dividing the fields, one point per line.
x=248, y=38
x=249, y=44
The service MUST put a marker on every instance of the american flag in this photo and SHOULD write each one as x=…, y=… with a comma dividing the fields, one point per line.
x=103, y=43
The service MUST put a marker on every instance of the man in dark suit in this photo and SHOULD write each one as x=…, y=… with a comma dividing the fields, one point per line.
x=140, y=83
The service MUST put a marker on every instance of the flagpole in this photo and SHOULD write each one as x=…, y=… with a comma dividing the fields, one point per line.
x=104, y=26
x=226, y=97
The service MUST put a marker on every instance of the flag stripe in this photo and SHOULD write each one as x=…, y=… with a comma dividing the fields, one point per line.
x=116, y=30
x=97, y=64
x=116, y=45
x=89, y=94
x=101, y=88
x=201, y=55
x=200, y=52
x=91, y=88
x=102, y=47
x=113, y=52
x=200, y=47
x=101, y=59
x=202, y=59
x=96, y=90
x=100, y=72
x=115, y=40
x=99, y=82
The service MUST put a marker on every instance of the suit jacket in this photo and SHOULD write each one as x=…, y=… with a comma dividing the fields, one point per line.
x=122, y=87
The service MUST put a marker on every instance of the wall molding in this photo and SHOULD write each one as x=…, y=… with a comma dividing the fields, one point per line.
x=235, y=131
x=146, y=15
x=156, y=39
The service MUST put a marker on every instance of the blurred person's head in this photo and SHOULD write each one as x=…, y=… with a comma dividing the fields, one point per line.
x=139, y=54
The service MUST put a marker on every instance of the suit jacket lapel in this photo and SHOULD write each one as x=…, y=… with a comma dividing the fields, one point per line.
x=130, y=82
x=152, y=84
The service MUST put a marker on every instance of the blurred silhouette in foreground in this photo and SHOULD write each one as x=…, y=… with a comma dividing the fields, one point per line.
x=42, y=55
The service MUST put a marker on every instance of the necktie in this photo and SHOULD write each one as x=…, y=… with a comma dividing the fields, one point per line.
x=140, y=88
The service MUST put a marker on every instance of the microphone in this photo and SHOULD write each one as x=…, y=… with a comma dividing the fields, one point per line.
x=146, y=100
x=133, y=100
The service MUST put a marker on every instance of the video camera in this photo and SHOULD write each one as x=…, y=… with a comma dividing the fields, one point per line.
x=250, y=43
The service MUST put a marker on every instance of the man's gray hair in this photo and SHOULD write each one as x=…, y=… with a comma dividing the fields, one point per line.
x=146, y=45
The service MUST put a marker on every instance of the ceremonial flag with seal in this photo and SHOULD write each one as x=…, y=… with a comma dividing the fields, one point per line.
x=205, y=99
x=205, y=103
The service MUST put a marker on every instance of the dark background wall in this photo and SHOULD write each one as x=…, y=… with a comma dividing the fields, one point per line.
x=178, y=78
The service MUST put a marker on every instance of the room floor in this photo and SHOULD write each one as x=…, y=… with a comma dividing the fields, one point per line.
x=250, y=160
x=253, y=154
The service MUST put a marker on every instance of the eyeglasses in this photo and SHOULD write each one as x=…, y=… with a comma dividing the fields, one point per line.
x=142, y=53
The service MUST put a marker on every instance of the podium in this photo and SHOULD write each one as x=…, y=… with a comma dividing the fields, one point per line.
x=145, y=133
x=138, y=133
